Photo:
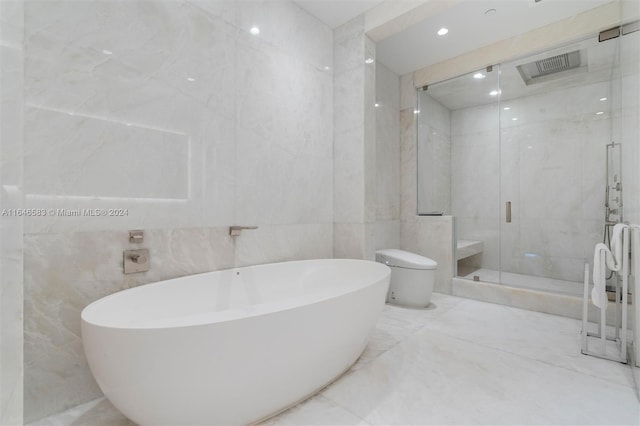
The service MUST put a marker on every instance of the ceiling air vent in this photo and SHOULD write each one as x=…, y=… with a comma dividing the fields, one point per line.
x=548, y=66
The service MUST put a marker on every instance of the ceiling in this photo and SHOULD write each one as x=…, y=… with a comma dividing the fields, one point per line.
x=469, y=26
x=336, y=12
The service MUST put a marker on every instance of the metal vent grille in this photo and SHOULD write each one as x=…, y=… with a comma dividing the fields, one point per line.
x=554, y=64
x=547, y=66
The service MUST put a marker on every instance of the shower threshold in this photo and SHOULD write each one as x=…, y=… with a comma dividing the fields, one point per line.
x=557, y=297
x=525, y=281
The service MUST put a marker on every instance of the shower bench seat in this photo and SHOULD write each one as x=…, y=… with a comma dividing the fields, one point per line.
x=467, y=248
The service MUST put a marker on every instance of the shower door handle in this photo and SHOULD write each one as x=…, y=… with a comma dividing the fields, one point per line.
x=508, y=211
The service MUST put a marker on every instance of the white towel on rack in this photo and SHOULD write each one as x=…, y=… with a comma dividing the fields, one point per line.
x=616, y=247
x=635, y=285
x=613, y=260
x=599, y=292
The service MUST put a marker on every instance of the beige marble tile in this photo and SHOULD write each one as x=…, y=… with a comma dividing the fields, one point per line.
x=432, y=236
x=66, y=272
x=11, y=197
x=280, y=243
x=387, y=144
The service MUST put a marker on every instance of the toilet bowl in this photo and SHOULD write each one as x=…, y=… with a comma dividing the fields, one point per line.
x=412, y=277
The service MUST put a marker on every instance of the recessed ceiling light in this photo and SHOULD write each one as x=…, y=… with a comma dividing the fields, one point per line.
x=254, y=30
x=107, y=52
x=442, y=31
x=327, y=68
x=599, y=112
x=507, y=108
x=479, y=75
x=191, y=79
x=514, y=119
x=376, y=105
x=368, y=61
x=603, y=99
x=494, y=92
x=416, y=111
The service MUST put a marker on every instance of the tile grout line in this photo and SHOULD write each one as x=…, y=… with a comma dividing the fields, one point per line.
x=422, y=327
x=322, y=395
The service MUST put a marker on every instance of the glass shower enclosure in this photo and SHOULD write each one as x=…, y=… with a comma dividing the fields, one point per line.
x=535, y=158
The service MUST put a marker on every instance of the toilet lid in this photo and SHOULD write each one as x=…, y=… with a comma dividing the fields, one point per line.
x=404, y=259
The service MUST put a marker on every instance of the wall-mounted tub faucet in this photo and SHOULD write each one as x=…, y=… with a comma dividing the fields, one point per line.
x=235, y=230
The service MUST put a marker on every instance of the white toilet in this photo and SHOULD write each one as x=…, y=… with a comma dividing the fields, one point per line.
x=412, y=277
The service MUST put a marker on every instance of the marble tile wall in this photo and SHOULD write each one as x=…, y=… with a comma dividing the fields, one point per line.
x=433, y=237
x=630, y=117
x=192, y=71
x=387, y=158
x=434, y=156
x=408, y=163
x=408, y=97
x=475, y=181
x=354, y=172
x=552, y=159
x=630, y=121
x=174, y=113
x=11, y=226
x=430, y=236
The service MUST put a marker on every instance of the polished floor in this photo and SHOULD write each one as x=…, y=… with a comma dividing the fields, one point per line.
x=460, y=362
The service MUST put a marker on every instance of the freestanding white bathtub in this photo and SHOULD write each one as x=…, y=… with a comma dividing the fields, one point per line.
x=235, y=346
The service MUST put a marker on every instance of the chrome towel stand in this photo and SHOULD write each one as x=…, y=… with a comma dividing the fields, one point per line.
x=619, y=337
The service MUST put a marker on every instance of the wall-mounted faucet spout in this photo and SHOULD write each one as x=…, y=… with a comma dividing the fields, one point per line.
x=235, y=230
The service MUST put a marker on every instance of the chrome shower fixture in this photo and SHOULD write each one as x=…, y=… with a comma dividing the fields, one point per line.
x=613, y=188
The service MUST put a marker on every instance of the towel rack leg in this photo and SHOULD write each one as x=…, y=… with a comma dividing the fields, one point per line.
x=585, y=309
x=603, y=311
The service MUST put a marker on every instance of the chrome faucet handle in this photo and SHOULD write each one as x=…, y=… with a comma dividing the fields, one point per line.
x=235, y=230
x=139, y=258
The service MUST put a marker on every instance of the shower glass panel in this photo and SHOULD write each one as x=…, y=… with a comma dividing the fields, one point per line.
x=555, y=123
x=559, y=111
x=459, y=164
x=630, y=121
x=519, y=156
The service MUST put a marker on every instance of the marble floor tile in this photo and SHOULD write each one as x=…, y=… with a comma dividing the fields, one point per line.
x=315, y=411
x=459, y=361
x=434, y=378
x=543, y=337
x=398, y=323
x=402, y=322
x=99, y=412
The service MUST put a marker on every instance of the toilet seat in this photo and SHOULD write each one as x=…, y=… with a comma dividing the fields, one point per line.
x=405, y=259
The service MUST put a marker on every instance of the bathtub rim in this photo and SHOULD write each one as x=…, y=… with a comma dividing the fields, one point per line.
x=215, y=317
